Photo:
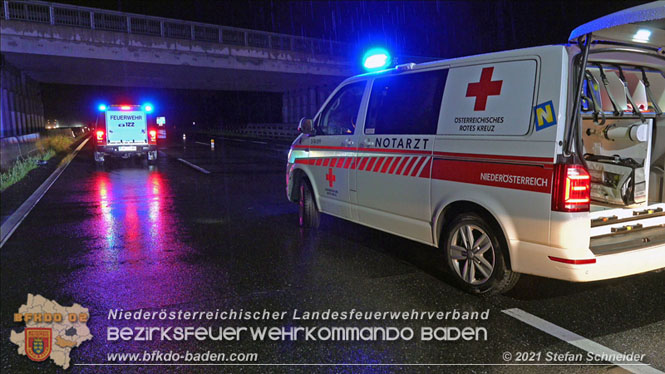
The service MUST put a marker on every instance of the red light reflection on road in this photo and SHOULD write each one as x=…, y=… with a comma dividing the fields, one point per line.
x=137, y=247
x=106, y=221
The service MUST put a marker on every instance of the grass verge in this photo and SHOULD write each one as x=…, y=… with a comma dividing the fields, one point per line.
x=47, y=148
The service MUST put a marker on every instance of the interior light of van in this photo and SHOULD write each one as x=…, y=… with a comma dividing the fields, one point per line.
x=101, y=107
x=572, y=189
x=376, y=58
x=642, y=35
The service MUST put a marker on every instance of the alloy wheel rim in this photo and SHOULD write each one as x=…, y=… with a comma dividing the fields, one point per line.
x=472, y=254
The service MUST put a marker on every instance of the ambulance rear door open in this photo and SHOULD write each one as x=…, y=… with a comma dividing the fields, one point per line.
x=619, y=125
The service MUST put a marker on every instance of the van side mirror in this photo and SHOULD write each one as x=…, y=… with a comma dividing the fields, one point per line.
x=305, y=126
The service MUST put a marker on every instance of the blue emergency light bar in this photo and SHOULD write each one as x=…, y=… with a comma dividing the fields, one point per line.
x=376, y=59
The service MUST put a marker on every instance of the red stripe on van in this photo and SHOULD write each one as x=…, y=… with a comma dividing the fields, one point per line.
x=519, y=177
x=476, y=156
x=426, y=170
x=325, y=161
x=417, y=167
x=378, y=164
x=402, y=165
x=408, y=167
x=302, y=146
x=319, y=161
x=348, y=162
x=370, y=164
x=386, y=164
x=363, y=163
x=382, y=150
x=392, y=168
x=340, y=162
x=354, y=162
x=397, y=150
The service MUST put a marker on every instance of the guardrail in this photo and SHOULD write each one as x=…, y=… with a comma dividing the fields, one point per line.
x=280, y=131
x=99, y=19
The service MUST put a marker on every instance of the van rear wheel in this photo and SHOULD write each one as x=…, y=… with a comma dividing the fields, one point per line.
x=308, y=213
x=475, y=255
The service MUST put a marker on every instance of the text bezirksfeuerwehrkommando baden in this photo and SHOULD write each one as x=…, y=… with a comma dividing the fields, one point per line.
x=290, y=332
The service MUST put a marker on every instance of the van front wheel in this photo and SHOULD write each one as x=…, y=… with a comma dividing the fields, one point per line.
x=308, y=214
x=476, y=256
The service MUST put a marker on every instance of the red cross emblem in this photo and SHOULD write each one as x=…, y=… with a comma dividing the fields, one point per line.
x=330, y=177
x=481, y=90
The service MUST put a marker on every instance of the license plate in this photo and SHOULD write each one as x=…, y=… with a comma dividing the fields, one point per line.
x=126, y=148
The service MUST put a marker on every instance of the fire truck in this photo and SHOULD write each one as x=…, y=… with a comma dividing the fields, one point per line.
x=125, y=131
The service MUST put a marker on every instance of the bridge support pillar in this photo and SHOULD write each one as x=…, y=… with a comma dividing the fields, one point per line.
x=300, y=103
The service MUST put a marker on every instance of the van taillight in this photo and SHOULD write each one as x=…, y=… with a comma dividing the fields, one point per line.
x=153, y=136
x=572, y=188
x=100, y=136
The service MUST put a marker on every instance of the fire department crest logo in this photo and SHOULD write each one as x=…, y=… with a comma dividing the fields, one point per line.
x=51, y=330
x=38, y=343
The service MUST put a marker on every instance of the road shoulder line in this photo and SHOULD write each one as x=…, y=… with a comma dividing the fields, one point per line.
x=202, y=170
x=579, y=341
x=13, y=222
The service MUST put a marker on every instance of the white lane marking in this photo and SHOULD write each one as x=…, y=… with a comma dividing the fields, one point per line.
x=239, y=140
x=579, y=341
x=12, y=223
x=258, y=142
x=202, y=143
x=202, y=170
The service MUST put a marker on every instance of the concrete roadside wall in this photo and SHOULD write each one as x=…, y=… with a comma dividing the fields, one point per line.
x=22, y=108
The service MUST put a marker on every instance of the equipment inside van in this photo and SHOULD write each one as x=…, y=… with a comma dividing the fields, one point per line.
x=547, y=160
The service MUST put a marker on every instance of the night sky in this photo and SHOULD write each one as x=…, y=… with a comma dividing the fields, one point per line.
x=441, y=29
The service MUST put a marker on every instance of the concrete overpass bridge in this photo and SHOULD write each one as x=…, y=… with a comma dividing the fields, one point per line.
x=65, y=44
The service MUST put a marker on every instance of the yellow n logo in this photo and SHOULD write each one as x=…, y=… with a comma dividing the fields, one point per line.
x=545, y=115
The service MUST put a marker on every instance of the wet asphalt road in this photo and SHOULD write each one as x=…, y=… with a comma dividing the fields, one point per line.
x=169, y=237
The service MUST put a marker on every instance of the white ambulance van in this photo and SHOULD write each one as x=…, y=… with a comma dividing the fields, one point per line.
x=546, y=161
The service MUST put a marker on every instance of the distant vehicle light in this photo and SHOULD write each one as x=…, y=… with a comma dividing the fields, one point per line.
x=148, y=107
x=101, y=107
x=125, y=107
x=376, y=58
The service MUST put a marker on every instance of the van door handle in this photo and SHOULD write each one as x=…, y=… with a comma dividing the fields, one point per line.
x=368, y=143
x=348, y=142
